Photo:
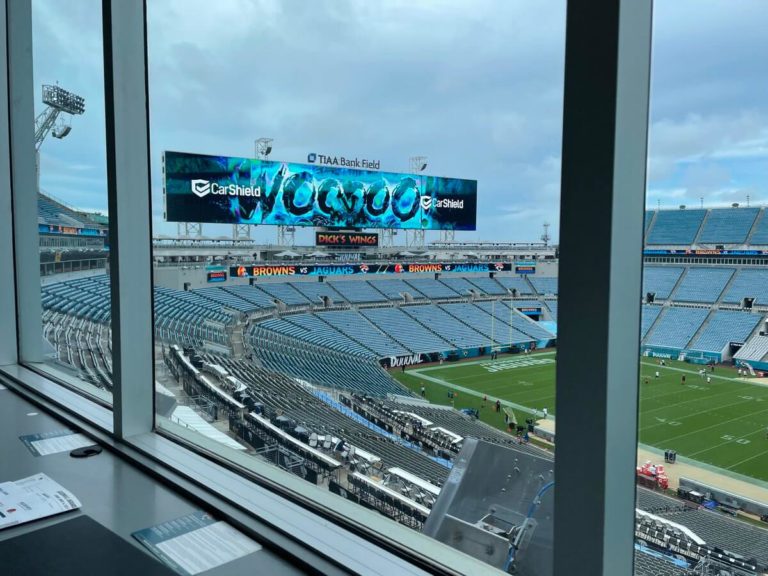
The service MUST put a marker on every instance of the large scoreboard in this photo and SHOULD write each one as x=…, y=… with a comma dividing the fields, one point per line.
x=233, y=190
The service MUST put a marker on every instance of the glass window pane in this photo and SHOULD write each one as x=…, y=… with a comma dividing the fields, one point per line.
x=702, y=458
x=72, y=217
x=308, y=311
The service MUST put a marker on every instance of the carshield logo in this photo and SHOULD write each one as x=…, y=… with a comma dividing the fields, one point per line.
x=426, y=202
x=201, y=187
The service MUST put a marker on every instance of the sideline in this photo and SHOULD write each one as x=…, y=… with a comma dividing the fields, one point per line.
x=476, y=362
x=471, y=392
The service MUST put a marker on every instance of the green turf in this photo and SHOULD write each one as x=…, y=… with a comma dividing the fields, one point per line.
x=722, y=423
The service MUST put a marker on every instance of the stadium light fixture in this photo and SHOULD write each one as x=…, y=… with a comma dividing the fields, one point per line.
x=417, y=164
x=264, y=147
x=63, y=100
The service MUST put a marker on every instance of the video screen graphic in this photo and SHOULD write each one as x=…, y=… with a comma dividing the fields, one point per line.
x=230, y=190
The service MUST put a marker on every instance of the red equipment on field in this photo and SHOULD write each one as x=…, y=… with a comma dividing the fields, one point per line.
x=652, y=476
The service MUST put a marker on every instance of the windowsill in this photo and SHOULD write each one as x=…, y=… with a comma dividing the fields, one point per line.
x=233, y=494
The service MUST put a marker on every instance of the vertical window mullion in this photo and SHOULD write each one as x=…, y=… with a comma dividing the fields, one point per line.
x=8, y=344
x=128, y=182
x=605, y=125
x=23, y=179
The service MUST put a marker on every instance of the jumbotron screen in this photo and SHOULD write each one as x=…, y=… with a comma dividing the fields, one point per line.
x=229, y=190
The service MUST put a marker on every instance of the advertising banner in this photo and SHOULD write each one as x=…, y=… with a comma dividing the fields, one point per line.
x=231, y=190
x=346, y=239
x=217, y=276
x=703, y=252
x=70, y=230
x=254, y=271
x=525, y=267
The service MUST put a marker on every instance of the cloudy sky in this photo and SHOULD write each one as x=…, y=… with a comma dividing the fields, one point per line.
x=474, y=85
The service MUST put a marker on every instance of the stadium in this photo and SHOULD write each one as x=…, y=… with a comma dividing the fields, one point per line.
x=366, y=370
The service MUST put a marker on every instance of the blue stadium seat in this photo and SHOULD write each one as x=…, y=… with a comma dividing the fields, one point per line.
x=702, y=284
x=727, y=225
x=725, y=326
x=676, y=227
x=676, y=327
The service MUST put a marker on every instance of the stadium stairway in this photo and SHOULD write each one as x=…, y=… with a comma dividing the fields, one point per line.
x=701, y=227
x=236, y=340
x=353, y=338
x=755, y=226
x=380, y=292
x=655, y=322
x=467, y=324
x=649, y=225
x=428, y=327
x=701, y=329
x=726, y=290
x=670, y=298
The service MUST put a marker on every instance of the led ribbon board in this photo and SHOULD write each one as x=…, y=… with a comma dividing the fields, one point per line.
x=254, y=271
x=229, y=190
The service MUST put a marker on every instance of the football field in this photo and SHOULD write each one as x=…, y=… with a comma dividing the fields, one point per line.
x=723, y=422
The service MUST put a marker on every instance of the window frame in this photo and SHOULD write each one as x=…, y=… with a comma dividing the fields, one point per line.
x=607, y=69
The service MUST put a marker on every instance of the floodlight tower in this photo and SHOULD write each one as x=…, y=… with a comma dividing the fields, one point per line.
x=416, y=165
x=546, y=237
x=57, y=101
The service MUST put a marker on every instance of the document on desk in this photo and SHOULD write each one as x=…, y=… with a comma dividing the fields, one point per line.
x=32, y=498
x=63, y=440
x=196, y=543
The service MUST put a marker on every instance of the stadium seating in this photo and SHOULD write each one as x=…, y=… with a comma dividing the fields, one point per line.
x=495, y=327
x=432, y=288
x=675, y=227
x=310, y=328
x=394, y=289
x=459, y=285
x=414, y=336
x=518, y=321
x=544, y=285
x=552, y=305
x=315, y=291
x=448, y=327
x=357, y=292
x=713, y=527
x=702, y=284
x=51, y=212
x=760, y=231
x=280, y=395
x=676, y=326
x=252, y=295
x=660, y=280
x=284, y=292
x=752, y=283
x=357, y=328
x=488, y=286
x=647, y=564
x=649, y=315
x=514, y=283
x=648, y=219
x=725, y=326
x=221, y=296
x=755, y=349
x=319, y=364
x=727, y=225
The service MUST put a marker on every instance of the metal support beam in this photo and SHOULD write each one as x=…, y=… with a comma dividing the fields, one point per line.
x=8, y=350
x=605, y=125
x=26, y=241
x=130, y=214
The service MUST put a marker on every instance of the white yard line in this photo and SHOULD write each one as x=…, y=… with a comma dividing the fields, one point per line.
x=747, y=459
x=477, y=394
x=700, y=430
x=476, y=362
